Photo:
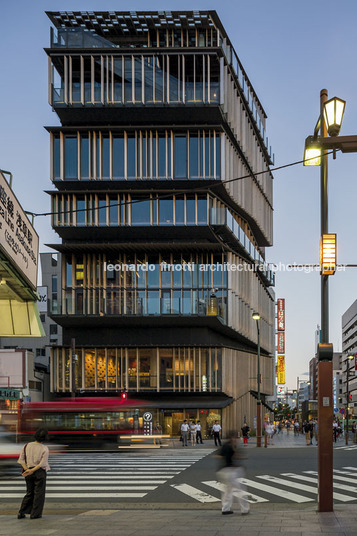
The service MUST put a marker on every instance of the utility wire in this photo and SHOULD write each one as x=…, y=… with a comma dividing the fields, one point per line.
x=193, y=190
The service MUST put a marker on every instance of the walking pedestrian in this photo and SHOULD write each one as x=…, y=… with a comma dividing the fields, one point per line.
x=199, y=432
x=34, y=460
x=307, y=430
x=296, y=427
x=184, y=433
x=158, y=432
x=230, y=475
x=193, y=429
x=216, y=429
x=245, y=433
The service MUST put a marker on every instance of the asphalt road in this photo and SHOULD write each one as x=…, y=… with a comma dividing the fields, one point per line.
x=183, y=476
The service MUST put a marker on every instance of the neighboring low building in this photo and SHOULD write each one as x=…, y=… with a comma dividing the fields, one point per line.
x=18, y=381
x=309, y=410
x=349, y=347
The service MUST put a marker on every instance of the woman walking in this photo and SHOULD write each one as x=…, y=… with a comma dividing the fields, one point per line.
x=34, y=460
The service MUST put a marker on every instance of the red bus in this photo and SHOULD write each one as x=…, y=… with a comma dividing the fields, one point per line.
x=78, y=421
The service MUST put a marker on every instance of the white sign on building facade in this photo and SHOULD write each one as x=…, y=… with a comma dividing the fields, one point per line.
x=18, y=239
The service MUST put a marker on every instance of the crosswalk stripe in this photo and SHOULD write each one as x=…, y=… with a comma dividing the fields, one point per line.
x=249, y=496
x=338, y=496
x=289, y=484
x=195, y=493
x=274, y=491
x=120, y=473
x=337, y=476
x=79, y=495
x=351, y=468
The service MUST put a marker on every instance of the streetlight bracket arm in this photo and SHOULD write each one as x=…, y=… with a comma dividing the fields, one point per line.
x=346, y=144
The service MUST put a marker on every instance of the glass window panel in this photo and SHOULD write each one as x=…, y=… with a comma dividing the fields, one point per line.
x=201, y=211
x=112, y=372
x=81, y=214
x=159, y=78
x=180, y=210
x=132, y=368
x=162, y=156
x=153, y=303
x=131, y=157
x=141, y=273
x=186, y=273
x=128, y=75
x=118, y=81
x=165, y=273
x=190, y=211
x=118, y=158
x=199, y=78
x=76, y=79
x=97, y=80
x=101, y=368
x=68, y=272
x=153, y=157
x=166, y=211
x=186, y=302
x=166, y=363
x=99, y=156
x=207, y=158
x=56, y=158
x=149, y=79
x=153, y=274
x=189, y=79
x=147, y=368
x=140, y=212
x=180, y=156
x=194, y=156
x=87, y=80
x=113, y=211
x=105, y=158
x=212, y=155
x=71, y=156
x=174, y=78
x=102, y=211
x=89, y=369
x=138, y=79
x=85, y=157
x=218, y=156
x=177, y=273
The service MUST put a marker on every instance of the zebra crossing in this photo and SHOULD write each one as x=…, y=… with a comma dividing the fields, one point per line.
x=347, y=447
x=106, y=475
x=277, y=488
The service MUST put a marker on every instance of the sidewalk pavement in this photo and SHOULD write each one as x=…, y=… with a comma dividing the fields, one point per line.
x=152, y=520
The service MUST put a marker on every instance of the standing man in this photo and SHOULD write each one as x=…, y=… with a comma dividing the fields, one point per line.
x=216, y=429
x=184, y=433
x=34, y=461
x=199, y=432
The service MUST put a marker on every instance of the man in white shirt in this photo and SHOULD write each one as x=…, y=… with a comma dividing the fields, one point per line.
x=216, y=428
x=199, y=432
x=184, y=433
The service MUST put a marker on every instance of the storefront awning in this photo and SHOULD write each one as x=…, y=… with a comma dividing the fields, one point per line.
x=262, y=398
x=20, y=319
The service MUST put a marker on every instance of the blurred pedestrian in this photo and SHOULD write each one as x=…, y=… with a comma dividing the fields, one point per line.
x=245, y=433
x=269, y=430
x=34, y=460
x=308, y=430
x=230, y=475
x=216, y=429
x=158, y=432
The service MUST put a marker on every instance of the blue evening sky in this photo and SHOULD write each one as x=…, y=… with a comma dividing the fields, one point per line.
x=290, y=51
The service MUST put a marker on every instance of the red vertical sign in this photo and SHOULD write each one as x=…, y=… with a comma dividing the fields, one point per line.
x=281, y=314
x=281, y=342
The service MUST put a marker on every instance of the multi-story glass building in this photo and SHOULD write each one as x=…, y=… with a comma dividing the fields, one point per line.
x=163, y=200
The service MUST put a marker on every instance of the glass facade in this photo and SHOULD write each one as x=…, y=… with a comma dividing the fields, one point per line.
x=140, y=369
x=131, y=155
x=136, y=79
x=142, y=284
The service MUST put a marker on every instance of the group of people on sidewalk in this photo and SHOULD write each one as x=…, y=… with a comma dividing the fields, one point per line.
x=191, y=431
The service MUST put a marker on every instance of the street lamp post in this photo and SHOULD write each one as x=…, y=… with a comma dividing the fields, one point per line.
x=256, y=317
x=349, y=358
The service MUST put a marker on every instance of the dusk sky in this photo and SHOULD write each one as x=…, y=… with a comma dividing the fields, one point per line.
x=290, y=51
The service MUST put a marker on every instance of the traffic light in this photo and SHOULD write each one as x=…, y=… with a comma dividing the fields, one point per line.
x=124, y=395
